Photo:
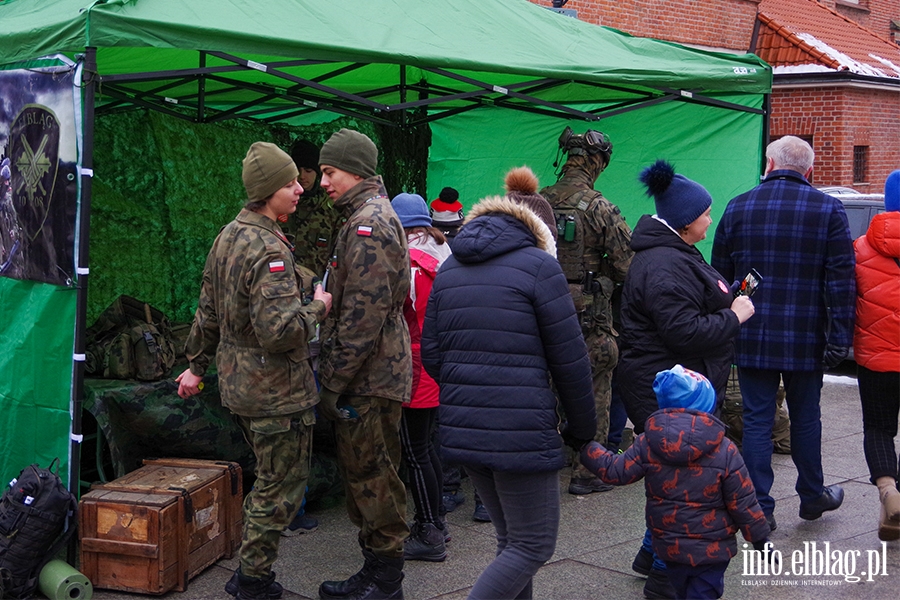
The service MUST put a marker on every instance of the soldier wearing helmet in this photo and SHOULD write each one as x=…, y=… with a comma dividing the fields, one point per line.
x=594, y=251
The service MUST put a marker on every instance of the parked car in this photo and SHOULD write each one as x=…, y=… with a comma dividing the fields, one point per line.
x=860, y=210
x=837, y=190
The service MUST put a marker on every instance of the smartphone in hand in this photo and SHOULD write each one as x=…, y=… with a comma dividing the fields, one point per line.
x=749, y=284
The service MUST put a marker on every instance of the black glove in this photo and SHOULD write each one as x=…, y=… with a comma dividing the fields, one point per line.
x=571, y=441
x=771, y=557
x=834, y=355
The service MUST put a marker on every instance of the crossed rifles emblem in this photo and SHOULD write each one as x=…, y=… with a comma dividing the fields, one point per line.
x=33, y=165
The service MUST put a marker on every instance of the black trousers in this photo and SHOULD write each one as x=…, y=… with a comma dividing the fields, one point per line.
x=879, y=394
x=422, y=462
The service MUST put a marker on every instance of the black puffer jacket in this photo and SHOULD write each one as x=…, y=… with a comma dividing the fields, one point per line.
x=500, y=323
x=676, y=309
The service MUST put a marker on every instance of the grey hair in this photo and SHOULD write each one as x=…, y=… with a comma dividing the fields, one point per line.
x=791, y=152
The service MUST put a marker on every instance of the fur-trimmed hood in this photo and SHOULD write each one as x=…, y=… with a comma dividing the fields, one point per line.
x=498, y=225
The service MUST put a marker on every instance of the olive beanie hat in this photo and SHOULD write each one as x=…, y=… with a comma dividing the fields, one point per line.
x=266, y=169
x=350, y=151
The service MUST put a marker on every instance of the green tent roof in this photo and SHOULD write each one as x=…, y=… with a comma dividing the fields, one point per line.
x=280, y=59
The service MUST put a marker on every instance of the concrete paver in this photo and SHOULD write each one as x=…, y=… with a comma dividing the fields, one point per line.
x=600, y=533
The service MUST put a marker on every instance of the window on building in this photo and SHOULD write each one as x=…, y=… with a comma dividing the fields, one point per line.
x=860, y=164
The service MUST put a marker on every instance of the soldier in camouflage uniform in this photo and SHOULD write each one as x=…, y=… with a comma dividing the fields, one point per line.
x=253, y=317
x=313, y=227
x=365, y=369
x=594, y=251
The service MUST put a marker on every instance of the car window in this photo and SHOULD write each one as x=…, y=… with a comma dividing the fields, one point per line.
x=859, y=220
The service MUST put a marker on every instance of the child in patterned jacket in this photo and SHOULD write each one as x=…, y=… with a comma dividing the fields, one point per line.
x=698, y=490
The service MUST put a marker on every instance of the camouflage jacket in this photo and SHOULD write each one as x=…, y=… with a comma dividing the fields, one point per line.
x=312, y=229
x=251, y=316
x=607, y=243
x=365, y=340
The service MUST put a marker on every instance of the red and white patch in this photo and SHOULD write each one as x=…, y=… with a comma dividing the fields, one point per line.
x=723, y=287
x=276, y=266
x=365, y=230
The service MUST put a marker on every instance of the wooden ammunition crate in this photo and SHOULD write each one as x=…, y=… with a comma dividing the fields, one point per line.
x=157, y=527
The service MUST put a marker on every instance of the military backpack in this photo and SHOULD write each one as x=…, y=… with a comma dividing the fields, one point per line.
x=35, y=510
x=130, y=340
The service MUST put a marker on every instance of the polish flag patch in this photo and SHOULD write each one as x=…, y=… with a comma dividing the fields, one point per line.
x=276, y=266
x=365, y=230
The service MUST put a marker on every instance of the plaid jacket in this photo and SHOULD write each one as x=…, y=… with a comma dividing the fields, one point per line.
x=798, y=238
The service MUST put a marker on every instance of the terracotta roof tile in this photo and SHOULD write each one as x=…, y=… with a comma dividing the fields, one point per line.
x=805, y=36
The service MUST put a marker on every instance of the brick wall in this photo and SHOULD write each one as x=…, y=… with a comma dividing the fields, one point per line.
x=838, y=119
x=875, y=15
x=714, y=23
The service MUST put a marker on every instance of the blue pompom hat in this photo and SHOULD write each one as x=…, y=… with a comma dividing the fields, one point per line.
x=679, y=201
x=412, y=210
x=682, y=388
x=892, y=192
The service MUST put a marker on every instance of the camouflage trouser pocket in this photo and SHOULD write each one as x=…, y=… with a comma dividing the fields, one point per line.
x=270, y=425
x=603, y=351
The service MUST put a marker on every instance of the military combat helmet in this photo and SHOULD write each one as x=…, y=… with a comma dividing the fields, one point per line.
x=589, y=143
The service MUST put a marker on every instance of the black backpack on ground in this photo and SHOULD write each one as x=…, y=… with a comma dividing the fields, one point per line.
x=34, y=512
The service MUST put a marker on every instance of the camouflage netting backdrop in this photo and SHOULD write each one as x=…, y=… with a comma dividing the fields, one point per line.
x=163, y=187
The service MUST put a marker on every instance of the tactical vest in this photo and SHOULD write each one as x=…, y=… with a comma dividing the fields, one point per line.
x=577, y=257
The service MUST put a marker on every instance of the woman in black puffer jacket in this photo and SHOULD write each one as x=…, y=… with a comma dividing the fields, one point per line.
x=676, y=309
x=500, y=325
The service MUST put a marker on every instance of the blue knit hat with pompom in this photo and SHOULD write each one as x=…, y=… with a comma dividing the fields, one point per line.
x=679, y=201
x=682, y=388
x=892, y=192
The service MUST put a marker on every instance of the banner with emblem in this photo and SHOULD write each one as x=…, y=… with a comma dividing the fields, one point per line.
x=38, y=183
x=40, y=132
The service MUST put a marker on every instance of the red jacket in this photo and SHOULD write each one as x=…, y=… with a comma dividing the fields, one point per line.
x=876, y=340
x=425, y=257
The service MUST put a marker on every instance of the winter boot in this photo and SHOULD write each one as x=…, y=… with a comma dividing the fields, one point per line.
x=889, y=524
x=245, y=588
x=340, y=590
x=385, y=581
x=425, y=542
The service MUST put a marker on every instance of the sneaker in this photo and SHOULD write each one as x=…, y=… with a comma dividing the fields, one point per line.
x=425, y=542
x=643, y=562
x=831, y=499
x=481, y=514
x=451, y=500
x=582, y=487
x=658, y=585
x=302, y=523
x=770, y=519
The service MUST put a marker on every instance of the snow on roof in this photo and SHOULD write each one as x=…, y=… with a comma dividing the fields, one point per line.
x=809, y=68
x=854, y=66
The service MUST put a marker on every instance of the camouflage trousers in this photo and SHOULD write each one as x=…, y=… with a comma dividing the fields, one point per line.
x=369, y=450
x=604, y=354
x=282, y=446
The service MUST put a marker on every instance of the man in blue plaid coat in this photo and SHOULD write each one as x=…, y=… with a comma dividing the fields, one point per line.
x=798, y=239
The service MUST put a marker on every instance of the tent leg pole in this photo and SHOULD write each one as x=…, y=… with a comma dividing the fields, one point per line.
x=89, y=78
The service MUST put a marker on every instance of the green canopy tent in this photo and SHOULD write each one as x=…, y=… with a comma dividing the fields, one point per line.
x=495, y=82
